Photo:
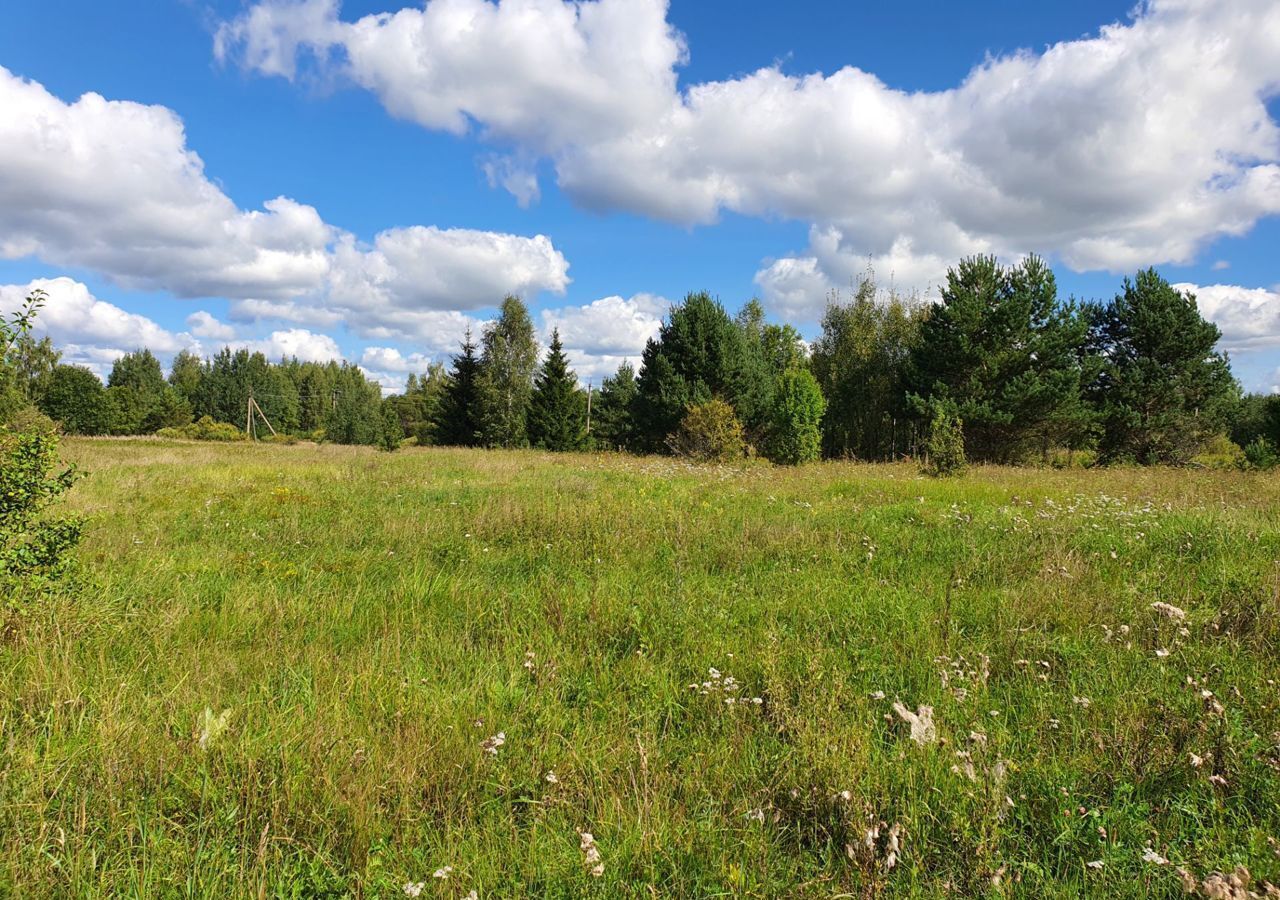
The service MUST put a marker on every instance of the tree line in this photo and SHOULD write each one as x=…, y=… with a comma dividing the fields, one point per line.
x=998, y=369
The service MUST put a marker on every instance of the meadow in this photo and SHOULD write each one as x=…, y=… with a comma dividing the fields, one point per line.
x=321, y=671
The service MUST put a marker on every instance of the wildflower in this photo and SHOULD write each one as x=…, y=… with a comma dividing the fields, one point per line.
x=1169, y=611
x=472, y=895
x=442, y=873
x=212, y=727
x=591, y=854
x=1162, y=653
x=1083, y=702
x=491, y=744
x=1095, y=864
x=552, y=779
x=1151, y=856
x=414, y=888
x=1218, y=780
x=892, y=847
x=921, y=722
x=755, y=815
x=1196, y=761
x=876, y=695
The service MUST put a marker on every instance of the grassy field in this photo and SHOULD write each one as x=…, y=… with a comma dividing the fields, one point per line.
x=458, y=661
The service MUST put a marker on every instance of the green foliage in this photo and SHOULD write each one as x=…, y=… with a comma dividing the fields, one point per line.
x=14, y=331
x=860, y=362
x=795, y=425
x=76, y=399
x=1261, y=454
x=1007, y=356
x=204, y=429
x=709, y=432
x=392, y=434
x=356, y=414
x=505, y=385
x=35, y=545
x=944, y=442
x=611, y=420
x=558, y=410
x=417, y=409
x=1162, y=390
x=699, y=353
x=458, y=416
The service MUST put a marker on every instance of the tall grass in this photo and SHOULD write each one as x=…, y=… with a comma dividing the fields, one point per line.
x=369, y=622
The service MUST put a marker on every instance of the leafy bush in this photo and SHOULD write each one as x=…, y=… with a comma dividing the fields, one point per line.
x=35, y=547
x=1260, y=453
x=709, y=432
x=795, y=426
x=1220, y=452
x=204, y=430
x=944, y=444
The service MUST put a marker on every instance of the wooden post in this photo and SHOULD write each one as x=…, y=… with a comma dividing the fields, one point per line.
x=264, y=415
x=588, y=409
x=248, y=416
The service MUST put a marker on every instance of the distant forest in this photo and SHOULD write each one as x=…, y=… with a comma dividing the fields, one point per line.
x=998, y=369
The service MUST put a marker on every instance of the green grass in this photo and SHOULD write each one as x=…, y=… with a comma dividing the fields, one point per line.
x=366, y=619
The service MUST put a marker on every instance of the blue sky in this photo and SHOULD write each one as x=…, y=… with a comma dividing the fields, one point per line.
x=745, y=148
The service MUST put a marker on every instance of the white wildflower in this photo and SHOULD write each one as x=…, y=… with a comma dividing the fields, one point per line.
x=414, y=888
x=552, y=779
x=212, y=727
x=491, y=744
x=1151, y=856
x=591, y=854
x=442, y=873
x=1169, y=611
x=1095, y=864
x=921, y=722
x=1162, y=653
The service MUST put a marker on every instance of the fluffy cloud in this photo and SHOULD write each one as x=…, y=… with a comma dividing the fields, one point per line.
x=203, y=324
x=112, y=186
x=1131, y=147
x=1249, y=317
x=73, y=317
x=305, y=345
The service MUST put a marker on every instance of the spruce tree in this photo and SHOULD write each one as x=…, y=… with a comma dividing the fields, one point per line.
x=558, y=410
x=611, y=422
x=1162, y=390
x=458, y=415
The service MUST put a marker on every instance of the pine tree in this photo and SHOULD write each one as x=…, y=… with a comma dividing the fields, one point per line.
x=457, y=418
x=1162, y=390
x=699, y=354
x=558, y=410
x=611, y=422
x=1006, y=357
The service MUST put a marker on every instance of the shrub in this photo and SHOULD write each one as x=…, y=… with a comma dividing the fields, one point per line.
x=709, y=432
x=1220, y=452
x=203, y=430
x=795, y=426
x=944, y=444
x=35, y=547
x=1260, y=453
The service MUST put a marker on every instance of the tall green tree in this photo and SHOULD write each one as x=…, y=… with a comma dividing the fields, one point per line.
x=860, y=362
x=795, y=420
x=1162, y=389
x=458, y=416
x=558, y=410
x=33, y=362
x=698, y=354
x=356, y=414
x=611, y=423
x=1006, y=356
x=507, y=365
x=75, y=398
x=185, y=375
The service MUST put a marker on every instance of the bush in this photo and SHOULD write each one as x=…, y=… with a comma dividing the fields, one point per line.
x=204, y=430
x=795, y=426
x=709, y=432
x=1220, y=452
x=944, y=444
x=35, y=547
x=1261, y=454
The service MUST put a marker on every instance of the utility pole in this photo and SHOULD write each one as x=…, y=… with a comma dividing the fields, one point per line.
x=248, y=417
x=588, y=409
